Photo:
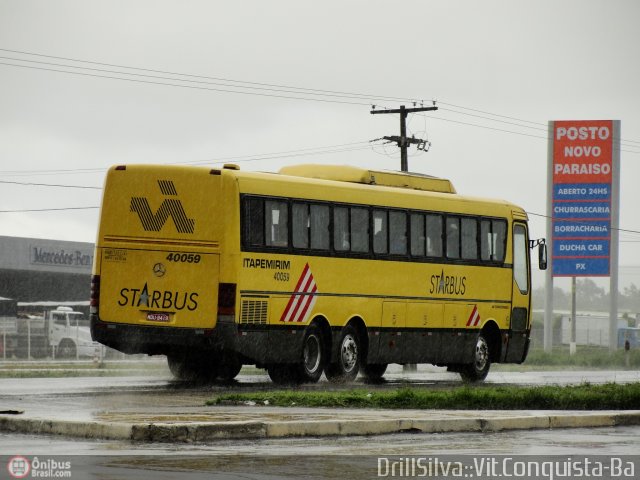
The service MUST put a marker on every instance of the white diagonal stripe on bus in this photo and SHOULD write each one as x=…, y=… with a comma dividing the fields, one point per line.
x=310, y=309
x=301, y=314
x=474, y=317
x=306, y=287
x=292, y=298
x=475, y=324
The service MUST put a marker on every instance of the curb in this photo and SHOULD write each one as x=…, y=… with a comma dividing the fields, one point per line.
x=211, y=431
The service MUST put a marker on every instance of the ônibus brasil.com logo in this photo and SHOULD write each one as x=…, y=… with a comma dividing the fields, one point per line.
x=21, y=467
x=18, y=467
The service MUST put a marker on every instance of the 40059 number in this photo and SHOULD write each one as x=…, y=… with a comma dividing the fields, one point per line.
x=184, y=257
x=281, y=276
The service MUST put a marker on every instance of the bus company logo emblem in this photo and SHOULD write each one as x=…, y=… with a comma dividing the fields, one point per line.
x=18, y=467
x=159, y=270
x=448, y=284
x=170, y=207
x=474, y=318
x=303, y=299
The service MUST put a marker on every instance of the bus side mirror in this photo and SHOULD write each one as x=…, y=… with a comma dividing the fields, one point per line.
x=542, y=256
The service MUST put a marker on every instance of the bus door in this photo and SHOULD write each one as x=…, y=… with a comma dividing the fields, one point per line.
x=520, y=300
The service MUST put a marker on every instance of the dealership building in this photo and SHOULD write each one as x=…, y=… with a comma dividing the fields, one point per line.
x=37, y=270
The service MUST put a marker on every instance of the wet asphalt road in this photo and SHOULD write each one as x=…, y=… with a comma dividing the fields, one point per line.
x=354, y=457
x=79, y=398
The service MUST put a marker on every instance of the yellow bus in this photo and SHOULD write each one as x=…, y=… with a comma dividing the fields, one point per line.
x=315, y=269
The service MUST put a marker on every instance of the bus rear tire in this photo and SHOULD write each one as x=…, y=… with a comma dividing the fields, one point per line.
x=192, y=368
x=283, y=374
x=479, y=369
x=374, y=372
x=349, y=357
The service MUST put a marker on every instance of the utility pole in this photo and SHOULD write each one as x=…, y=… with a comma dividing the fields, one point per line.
x=402, y=140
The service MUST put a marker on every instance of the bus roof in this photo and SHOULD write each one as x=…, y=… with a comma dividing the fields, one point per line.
x=355, y=185
x=414, y=181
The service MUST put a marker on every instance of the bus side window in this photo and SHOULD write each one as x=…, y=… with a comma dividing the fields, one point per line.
x=254, y=222
x=359, y=230
x=319, y=227
x=380, y=232
x=300, y=225
x=453, y=237
x=418, y=237
x=397, y=232
x=469, y=237
x=492, y=239
x=276, y=221
x=499, y=229
x=341, y=240
x=434, y=235
x=487, y=241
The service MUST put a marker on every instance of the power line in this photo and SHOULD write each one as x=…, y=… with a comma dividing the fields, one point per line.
x=492, y=119
x=298, y=93
x=32, y=184
x=279, y=86
x=201, y=82
x=192, y=87
x=310, y=151
x=539, y=127
x=546, y=137
x=47, y=209
x=486, y=127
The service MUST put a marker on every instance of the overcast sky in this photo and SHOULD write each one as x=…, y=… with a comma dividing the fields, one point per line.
x=498, y=70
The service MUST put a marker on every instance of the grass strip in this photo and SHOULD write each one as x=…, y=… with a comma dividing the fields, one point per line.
x=579, y=397
x=585, y=357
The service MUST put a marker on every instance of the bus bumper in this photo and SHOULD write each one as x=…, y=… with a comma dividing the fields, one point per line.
x=158, y=340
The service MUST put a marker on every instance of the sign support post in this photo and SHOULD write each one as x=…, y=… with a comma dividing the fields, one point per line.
x=615, y=238
x=548, y=275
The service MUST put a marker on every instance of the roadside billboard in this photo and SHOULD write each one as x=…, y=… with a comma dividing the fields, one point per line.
x=582, y=172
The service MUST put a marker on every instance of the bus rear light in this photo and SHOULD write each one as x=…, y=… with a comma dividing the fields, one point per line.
x=94, y=299
x=226, y=298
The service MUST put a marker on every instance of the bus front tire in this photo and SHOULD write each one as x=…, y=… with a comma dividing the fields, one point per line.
x=349, y=357
x=313, y=354
x=479, y=369
x=310, y=366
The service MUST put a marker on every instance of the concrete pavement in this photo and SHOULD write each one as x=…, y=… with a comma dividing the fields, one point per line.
x=207, y=423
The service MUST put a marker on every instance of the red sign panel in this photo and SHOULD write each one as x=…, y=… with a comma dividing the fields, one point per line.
x=582, y=151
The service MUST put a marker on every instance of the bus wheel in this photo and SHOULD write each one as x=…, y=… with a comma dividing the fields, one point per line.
x=192, y=368
x=373, y=372
x=310, y=370
x=348, y=364
x=229, y=367
x=283, y=374
x=479, y=369
x=66, y=349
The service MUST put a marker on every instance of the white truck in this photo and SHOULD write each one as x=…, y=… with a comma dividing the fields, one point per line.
x=59, y=333
x=69, y=334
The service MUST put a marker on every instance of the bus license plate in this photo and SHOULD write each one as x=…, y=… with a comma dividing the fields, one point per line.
x=158, y=317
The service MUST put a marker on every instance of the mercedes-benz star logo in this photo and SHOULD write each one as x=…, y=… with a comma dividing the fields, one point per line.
x=159, y=270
